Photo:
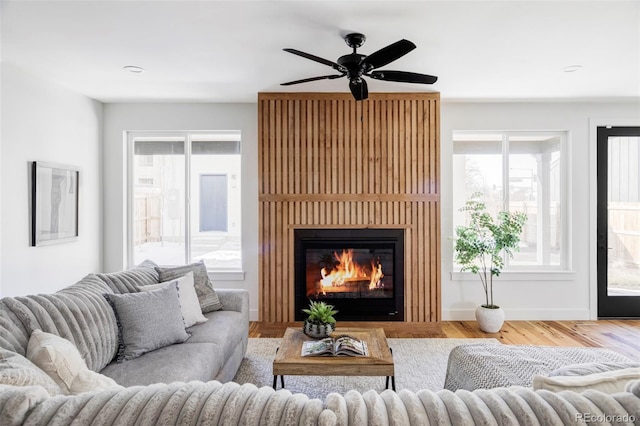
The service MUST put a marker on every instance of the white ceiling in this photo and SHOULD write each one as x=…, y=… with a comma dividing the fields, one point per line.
x=228, y=51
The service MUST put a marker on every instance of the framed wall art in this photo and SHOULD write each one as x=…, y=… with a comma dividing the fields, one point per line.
x=54, y=203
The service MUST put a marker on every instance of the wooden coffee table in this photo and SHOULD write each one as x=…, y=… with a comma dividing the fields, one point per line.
x=290, y=362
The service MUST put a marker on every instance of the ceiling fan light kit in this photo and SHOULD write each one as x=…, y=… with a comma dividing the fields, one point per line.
x=133, y=69
x=355, y=66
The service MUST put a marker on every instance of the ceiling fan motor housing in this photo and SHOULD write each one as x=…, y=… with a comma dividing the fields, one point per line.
x=355, y=40
x=352, y=63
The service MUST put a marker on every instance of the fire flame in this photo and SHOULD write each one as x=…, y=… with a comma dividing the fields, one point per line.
x=347, y=270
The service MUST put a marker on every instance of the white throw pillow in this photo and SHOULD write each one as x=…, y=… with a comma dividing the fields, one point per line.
x=61, y=360
x=189, y=304
x=607, y=382
x=90, y=381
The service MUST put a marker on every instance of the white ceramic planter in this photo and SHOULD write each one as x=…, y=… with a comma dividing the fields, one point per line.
x=489, y=320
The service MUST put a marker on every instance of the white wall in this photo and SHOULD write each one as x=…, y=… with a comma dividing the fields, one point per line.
x=121, y=117
x=45, y=122
x=1, y=81
x=553, y=296
x=42, y=121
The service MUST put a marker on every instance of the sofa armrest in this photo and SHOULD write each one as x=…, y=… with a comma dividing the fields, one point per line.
x=233, y=299
x=170, y=405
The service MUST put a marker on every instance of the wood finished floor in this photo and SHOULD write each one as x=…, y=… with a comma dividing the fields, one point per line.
x=623, y=336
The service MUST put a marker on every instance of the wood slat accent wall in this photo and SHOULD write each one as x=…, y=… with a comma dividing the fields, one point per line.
x=328, y=161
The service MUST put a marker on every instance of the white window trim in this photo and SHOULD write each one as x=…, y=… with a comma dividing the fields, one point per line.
x=216, y=274
x=560, y=272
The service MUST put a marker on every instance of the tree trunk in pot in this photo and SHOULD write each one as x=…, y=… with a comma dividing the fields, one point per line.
x=490, y=320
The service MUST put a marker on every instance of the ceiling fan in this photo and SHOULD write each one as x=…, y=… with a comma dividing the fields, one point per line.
x=354, y=66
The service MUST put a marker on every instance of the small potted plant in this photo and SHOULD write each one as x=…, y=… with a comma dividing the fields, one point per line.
x=320, y=322
x=479, y=247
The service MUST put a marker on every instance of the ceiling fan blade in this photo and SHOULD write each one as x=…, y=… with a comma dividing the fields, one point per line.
x=403, y=77
x=359, y=89
x=388, y=54
x=306, y=80
x=327, y=62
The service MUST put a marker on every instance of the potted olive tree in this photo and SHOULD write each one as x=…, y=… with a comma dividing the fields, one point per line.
x=479, y=248
x=320, y=322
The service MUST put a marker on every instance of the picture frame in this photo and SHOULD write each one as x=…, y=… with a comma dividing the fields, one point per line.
x=55, y=194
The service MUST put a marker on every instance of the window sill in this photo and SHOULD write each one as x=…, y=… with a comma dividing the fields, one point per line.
x=218, y=275
x=520, y=276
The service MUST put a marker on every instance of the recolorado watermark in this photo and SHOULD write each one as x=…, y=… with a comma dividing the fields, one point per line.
x=605, y=418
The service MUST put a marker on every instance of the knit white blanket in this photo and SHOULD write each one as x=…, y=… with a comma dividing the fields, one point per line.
x=213, y=403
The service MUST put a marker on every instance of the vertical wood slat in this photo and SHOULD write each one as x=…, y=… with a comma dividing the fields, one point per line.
x=434, y=145
x=420, y=136
x=290, y=153
x=271, y=244
x=409, y=276
x=392, y=149
x=328, y=144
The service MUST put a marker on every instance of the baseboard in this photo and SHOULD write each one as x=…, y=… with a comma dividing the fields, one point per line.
x=253, y=315
x=522, y=314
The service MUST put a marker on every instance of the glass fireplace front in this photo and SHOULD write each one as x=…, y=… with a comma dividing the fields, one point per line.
x=359, y=271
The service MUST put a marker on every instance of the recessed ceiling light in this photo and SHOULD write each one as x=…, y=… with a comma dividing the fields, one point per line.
x=572, y=68
x=133, y=68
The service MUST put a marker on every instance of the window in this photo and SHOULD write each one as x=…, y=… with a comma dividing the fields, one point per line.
x=185, y=198
x=145, y=181
x=145, y=160
x=518, y=171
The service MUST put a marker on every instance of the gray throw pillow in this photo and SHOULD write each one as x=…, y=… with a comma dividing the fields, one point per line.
x=207, y=296
x=147, y=320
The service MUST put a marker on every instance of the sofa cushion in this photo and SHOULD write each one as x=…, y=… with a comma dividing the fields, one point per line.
x=60, y=359
x=189, y=305
x=16, y=370
x=224, y=328
x=591, y=367
x=175, y=363
x=148, y=320
x=207, y=296
x=128, y=281
x=78, y=315
x=609, y=382
x=90, y=283
x=13, y=331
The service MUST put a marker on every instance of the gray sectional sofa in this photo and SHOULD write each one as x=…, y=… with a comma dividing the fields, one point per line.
x=81, y=314
x=214, y=403
x=183, y=384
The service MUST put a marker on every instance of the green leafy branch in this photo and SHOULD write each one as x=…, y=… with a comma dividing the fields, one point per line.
x=479, y=246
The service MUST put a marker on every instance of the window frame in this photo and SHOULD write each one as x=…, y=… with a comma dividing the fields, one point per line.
x=561, y=271
x=188, y=137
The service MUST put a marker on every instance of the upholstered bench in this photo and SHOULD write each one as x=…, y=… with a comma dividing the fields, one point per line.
x=486, y=365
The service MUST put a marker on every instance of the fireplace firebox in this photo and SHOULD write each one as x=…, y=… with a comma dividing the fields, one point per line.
x=359, y=271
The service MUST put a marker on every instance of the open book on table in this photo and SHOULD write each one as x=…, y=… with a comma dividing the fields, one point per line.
x=333, y=346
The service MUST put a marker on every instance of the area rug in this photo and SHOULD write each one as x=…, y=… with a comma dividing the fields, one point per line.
x=419, y=364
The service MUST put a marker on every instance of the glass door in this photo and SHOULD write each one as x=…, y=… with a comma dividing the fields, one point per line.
x=618, y=221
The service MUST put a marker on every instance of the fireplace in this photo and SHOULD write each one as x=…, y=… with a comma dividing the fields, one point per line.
x=359, y=271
